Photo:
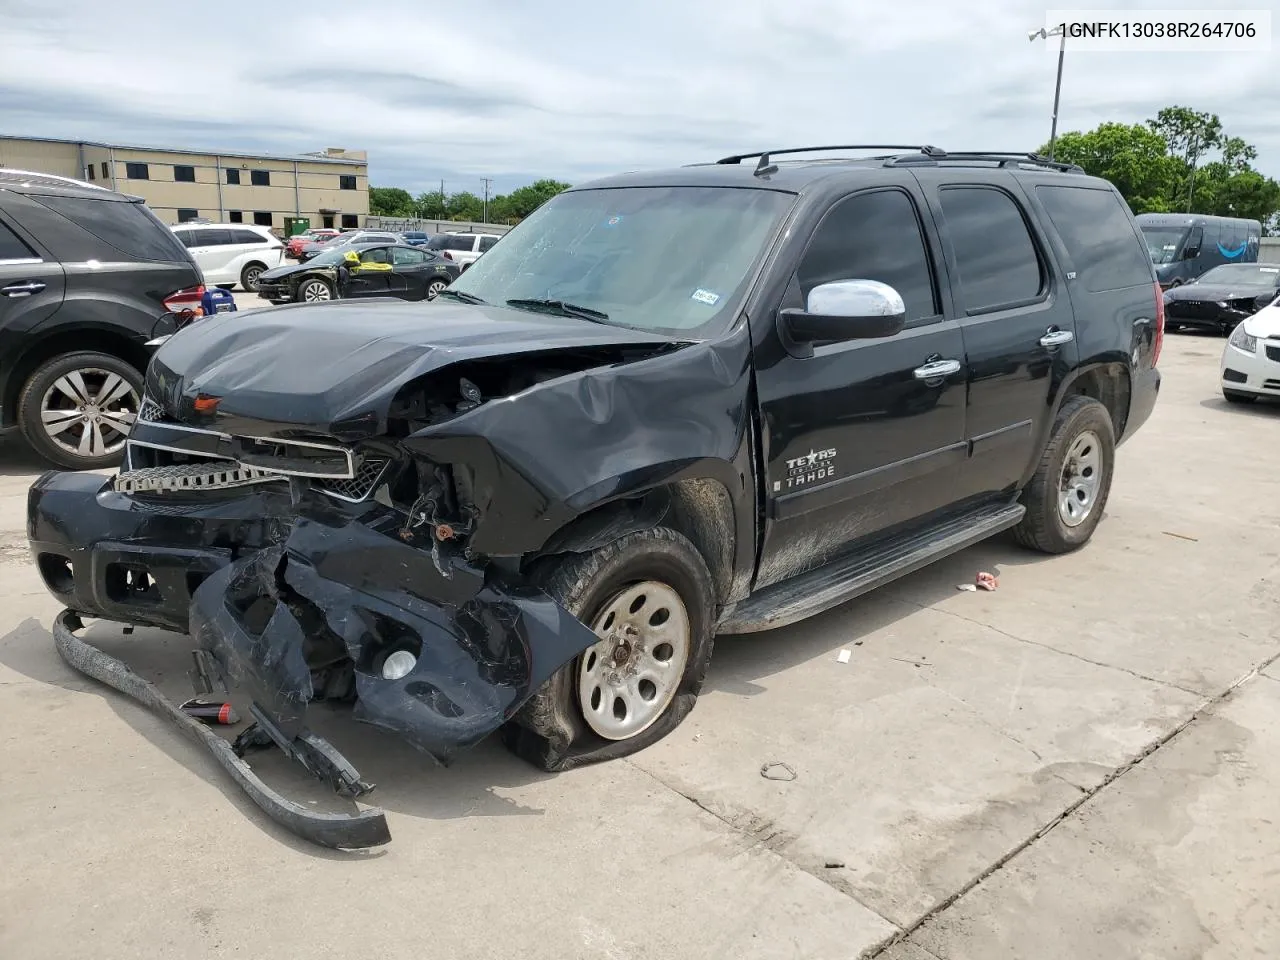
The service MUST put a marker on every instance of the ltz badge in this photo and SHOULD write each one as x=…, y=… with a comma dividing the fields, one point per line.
x=811, y=468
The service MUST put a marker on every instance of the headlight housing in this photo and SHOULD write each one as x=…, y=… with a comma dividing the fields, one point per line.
x=1243, y=341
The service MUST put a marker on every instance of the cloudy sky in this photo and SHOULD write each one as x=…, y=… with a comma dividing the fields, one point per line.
x=519, y=89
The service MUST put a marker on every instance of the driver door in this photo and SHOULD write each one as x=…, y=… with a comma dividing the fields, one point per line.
x=372, y=277
x=861, y=435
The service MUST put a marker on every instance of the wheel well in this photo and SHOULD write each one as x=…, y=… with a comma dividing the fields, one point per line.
x=70, y=341
x=1109, y=385
x=700, y=509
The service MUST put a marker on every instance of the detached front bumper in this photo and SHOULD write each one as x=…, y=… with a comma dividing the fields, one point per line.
x=295, y=604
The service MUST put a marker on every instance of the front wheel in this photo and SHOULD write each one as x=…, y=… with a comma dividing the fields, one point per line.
x=77, y=410
x=315, y=290
x=1069, y=490
x=249, y=276
x=649, y=598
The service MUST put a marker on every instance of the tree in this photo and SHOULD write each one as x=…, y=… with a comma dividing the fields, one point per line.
x=1133, y=157
x=465, y=206
x=523, y=201
x=1181, y=161
x=391, y=202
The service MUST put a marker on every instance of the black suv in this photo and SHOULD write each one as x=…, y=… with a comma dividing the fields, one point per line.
x=709, y=400
x=87, y=278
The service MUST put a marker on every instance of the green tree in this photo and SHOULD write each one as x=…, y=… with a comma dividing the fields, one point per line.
x=1190, y=134
x=391, y=202
x=465, y=205
x=1133, y=157
x=432, y=206
x=524, y=200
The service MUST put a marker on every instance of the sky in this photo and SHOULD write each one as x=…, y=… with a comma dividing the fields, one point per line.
x=515, y=90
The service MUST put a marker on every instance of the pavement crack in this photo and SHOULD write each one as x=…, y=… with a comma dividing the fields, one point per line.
x=1208, y=703
x=764, y=833
x=1049, y=646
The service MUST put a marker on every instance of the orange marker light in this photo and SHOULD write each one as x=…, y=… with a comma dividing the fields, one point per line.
x=205, y=404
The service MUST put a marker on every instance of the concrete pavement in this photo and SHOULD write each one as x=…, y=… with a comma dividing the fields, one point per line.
x=1081, y=764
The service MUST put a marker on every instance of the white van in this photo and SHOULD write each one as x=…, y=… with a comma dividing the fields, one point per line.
x=231, y=253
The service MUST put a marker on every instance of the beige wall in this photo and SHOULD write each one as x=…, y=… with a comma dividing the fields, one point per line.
x=41, y=156
x=314, y=193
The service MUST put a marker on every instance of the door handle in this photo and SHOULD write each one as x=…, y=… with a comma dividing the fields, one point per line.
x=22, y=289
x=936, y=369
x=1056, y=338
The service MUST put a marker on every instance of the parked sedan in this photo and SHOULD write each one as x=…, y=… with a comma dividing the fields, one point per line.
x=414, y=274
x=344, y=240
x=1222, y=297
x=295, y=244
x=1250, y=365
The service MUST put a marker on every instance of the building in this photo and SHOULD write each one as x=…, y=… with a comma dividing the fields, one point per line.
x=329, y=188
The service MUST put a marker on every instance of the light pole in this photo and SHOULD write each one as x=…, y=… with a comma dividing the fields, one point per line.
x=1043, y=34
x=487, y=181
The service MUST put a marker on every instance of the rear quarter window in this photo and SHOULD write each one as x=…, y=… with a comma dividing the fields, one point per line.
x=1098, y=234
x=122, y=228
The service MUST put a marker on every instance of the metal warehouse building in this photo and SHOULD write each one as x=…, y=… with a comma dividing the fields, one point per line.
x=329, y=188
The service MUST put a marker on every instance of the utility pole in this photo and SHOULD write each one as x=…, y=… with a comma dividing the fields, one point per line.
x=487, y=181
x=444, y=207
x=1044, y=34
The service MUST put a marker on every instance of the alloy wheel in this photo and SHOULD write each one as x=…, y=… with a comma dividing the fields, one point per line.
x=89, y=412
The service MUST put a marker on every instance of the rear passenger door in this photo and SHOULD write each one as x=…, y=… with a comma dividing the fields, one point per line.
x=214, y=252
x=1017, y=323
x=31, y=291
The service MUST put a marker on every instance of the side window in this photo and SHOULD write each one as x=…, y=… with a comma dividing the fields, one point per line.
x=128, y=227
x=188, y=238
x=873, y=236
x=376, y=255
x=487, y=242
x=12, y=247
x=1194, y=242
x=997, y=258
x=405, y=258
x=461, y=243
x=1096, y=231
x=247, y=236
x=212, y=238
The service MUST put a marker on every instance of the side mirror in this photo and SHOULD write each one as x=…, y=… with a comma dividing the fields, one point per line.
x=1190, y=253
x=847, y=310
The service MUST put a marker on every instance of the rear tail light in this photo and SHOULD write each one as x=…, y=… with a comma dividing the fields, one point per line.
x=448, y=255
x=1159, y=338
x=187, y=304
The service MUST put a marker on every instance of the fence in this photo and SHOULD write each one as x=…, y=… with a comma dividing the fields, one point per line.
x=400, y=224
x=1269, y=250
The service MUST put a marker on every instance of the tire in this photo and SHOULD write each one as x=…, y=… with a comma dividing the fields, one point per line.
x=53, y=393
x=1082, y=435
x=225, y=286
x=1238, y=396
x=315, y=290
x=557, y=728
x=1172, y=327
x=434, y=288
x=249, y=276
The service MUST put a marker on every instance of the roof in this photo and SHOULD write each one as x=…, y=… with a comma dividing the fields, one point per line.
x=52, y=185
x=318, y=157
x=1184, y=219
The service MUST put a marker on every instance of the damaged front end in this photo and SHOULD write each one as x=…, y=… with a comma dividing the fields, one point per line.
x=355, y=525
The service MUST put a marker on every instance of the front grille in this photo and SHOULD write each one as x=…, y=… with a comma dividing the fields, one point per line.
x=1234, y=376
x=1273, y=353
x=178, y=478
x=1192, y=309
x=150, y=410
x=361, y=485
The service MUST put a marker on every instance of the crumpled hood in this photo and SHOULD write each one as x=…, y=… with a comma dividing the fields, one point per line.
x=317, y=365
x=287, y=269
x=1215, y=293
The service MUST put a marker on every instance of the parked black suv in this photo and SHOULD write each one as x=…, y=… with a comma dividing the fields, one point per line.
x=87, y=278
x=711, y=400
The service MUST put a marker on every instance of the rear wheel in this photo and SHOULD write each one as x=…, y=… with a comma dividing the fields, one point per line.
x=249, y=276
x=1238, y=396
x=1069, y=490
x=77, y=410
x=434, y=288
x=315, y=290
x=649, y=598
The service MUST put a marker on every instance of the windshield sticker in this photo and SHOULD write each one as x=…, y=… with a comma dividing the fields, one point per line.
x=613, y=221
x=706, y=296
x=1270, y=269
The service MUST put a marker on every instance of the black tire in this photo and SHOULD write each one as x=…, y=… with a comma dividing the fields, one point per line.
x=1172, y=327
x=249, y=276
x=225, y=286
x=550, y=730
x=42, y=380
x=435, y=286
x=1043, y=528
x=1238, y=396
x=317, y=282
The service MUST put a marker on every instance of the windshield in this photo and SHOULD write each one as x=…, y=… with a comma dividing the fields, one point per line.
x=1244, y=275
x=1163, y=242
x=330, y=258
x=666, y=259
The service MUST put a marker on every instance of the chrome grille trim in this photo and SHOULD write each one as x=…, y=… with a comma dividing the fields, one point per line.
x=361, y=485
x=211, y=475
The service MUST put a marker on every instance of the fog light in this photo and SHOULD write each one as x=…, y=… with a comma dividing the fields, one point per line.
x=398, y=664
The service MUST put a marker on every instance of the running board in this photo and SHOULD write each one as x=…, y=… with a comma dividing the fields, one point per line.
x=828, y=586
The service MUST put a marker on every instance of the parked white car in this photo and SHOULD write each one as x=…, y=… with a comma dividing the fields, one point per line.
x=231, y=253
x=1251, y=359
x=463, y=248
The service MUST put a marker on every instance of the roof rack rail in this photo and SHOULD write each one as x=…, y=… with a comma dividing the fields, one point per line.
x=764, y=167
x=1001, y=157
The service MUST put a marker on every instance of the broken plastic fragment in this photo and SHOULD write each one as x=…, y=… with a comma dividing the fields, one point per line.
x=844, y=656
x=987, y=581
